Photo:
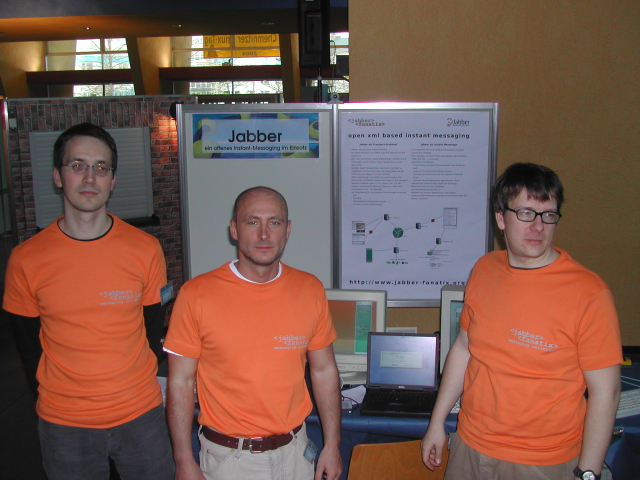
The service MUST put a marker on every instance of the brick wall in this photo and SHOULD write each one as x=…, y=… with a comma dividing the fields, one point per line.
x=60, y=114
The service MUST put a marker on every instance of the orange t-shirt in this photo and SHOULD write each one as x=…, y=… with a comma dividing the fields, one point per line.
x=531, y=334
x=251, y=341
x=96, y=369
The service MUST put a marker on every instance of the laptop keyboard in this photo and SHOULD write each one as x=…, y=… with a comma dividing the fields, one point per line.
x=401, y=396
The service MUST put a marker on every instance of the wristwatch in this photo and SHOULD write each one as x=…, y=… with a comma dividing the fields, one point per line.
x=585, y=475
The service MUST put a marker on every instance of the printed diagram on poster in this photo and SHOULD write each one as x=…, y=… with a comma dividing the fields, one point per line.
x=256, y=135
x=396, y=251
x=414, y=199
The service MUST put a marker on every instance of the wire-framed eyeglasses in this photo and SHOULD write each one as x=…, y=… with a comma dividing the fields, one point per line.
x=528, y=215
x=79, y=168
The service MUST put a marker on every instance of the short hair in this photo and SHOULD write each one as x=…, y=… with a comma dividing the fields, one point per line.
x=84, y=130
x=542, y=184
x=248, y=191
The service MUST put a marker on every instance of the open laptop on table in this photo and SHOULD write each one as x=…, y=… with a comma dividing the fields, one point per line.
x=402, y=374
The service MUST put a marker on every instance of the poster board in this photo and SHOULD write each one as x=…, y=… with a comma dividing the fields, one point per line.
x=225, y=149
x=413, y=196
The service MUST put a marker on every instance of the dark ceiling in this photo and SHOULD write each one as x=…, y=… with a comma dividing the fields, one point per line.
x=141, y=18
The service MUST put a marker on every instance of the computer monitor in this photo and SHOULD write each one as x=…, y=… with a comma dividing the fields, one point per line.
x=450, y=310
x=355, y=313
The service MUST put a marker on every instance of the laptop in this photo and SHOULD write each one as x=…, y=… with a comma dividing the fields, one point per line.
x=402, y=374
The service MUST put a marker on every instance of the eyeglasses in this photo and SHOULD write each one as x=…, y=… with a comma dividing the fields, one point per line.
x=528, y=215
x=79, y=168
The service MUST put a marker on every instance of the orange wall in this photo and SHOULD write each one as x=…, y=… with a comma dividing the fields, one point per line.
x=567, y=78
x=17, y=58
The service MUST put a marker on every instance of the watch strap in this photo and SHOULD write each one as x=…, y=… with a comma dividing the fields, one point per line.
x=580, y=473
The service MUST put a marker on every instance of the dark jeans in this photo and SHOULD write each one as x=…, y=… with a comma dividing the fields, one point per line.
x=140, y=449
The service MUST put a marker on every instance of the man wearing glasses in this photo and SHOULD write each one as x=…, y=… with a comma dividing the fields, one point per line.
x=537, y=328
x=93, y=283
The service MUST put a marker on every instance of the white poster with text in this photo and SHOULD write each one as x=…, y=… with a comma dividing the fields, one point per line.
x=414, y=199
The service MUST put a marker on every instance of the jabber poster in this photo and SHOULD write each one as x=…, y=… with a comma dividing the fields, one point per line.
x=225, y=149
x=414, y=199
x=256, y=135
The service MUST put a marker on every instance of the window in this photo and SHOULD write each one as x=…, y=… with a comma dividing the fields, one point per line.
x=104, y=90
x=226, y=50
x=92, y=54
x=339, y=45
x=242, y=50
x=235, y=87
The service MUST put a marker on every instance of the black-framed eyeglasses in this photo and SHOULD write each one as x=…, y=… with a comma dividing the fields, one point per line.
x=528, y=215
x=79, y=168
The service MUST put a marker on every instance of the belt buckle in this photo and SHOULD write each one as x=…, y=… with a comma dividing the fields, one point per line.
x=251, y=444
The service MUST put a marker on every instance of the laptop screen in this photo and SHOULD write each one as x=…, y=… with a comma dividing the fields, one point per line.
x=398, y=360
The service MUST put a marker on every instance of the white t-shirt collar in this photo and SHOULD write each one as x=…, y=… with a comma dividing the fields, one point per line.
x=234, y=269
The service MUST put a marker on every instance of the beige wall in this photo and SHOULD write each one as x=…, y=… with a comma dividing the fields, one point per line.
x=155, y=53
x=567, y=77
x=17, y=58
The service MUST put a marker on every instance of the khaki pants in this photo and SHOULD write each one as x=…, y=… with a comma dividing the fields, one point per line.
x=465, y=463
x=285, y=463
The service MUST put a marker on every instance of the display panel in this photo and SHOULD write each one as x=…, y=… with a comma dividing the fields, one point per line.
x=451, y=304
x=355, y=313
x=407, y=360
x=225, y=149
x=414, y=196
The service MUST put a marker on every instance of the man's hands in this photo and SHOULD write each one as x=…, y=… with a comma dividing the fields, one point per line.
x=432, y=445
x=188, y=471
x=329, y=463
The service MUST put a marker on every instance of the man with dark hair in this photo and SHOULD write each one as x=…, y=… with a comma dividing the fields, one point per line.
x=93, y=282
x=536, y=330
x=247, y=330
x=84, y=130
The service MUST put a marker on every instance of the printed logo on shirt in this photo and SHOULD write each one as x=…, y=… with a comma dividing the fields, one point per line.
x=119, y=297
x=291, y=342
x=531, y=340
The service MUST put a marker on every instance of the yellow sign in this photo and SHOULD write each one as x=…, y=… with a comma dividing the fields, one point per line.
x=217, y=53
x=256, y=53
x=241, y=53
x=253, y=41
x=241, y=46
x=242, y=41
x=217, y=41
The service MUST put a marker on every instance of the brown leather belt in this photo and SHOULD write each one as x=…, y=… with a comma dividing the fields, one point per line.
x=254, y=445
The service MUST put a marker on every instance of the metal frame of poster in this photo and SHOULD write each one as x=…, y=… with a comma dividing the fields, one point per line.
x=225, y=149
x=411, y=199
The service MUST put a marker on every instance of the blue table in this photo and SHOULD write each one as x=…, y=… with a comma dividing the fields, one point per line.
x=623, y=457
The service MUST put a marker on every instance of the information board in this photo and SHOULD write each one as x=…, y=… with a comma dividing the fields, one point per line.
x=386, y=196
x=414, y=191
x=225, y=149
